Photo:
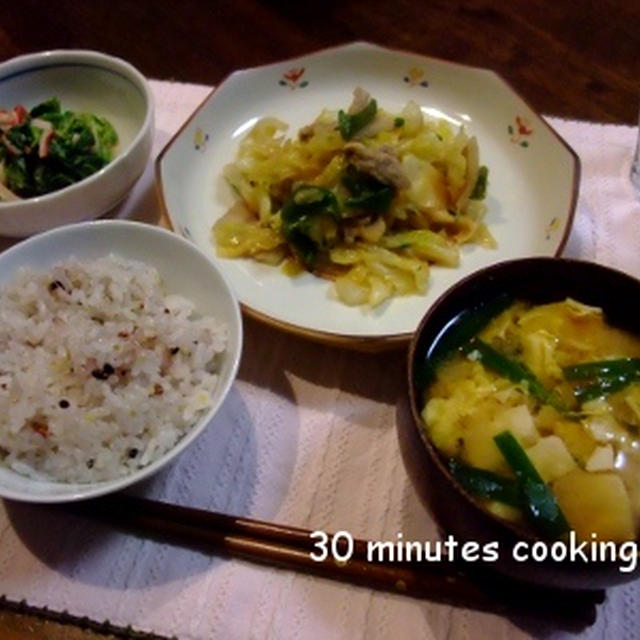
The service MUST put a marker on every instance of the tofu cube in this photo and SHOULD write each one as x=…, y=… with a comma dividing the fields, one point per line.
x=551, y=458
x=602, y=459
x=520, y=422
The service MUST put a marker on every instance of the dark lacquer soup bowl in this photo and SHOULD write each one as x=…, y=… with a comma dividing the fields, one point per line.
x=528, y=443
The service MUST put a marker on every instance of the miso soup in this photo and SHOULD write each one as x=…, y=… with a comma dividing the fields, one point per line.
x=538, y=414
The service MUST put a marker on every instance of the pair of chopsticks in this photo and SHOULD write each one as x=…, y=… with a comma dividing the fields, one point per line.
x=292, y=548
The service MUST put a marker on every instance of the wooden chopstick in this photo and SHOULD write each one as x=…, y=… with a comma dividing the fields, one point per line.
x=291, y=547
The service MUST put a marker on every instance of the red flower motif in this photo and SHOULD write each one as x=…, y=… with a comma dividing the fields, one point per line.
x=523, y=127
x=520, y=131
x=293, y=75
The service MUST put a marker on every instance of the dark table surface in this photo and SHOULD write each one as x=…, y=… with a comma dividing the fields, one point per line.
x=570, y=58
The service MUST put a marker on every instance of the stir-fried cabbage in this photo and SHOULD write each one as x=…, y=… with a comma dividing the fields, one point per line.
x=364, y=197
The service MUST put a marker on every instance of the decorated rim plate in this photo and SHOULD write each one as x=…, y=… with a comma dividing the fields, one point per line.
x=531, y=198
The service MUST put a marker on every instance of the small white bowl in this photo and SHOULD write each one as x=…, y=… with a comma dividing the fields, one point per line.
x=82, y=81
x=184, y=269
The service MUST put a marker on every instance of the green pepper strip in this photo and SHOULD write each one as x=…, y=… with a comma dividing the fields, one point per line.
x=350, y=124
x=486, y=484
x=515, y=371
x=540, y=503
x=368, y=194
x=480, y=188
x=372, y=201
x=306, y=203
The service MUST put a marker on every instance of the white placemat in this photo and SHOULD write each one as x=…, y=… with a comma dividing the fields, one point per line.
x=306, y=437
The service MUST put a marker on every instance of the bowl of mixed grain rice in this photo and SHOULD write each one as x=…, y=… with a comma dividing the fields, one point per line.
x=118, y=343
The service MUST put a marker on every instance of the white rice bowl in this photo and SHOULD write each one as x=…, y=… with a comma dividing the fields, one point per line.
x=101, y=370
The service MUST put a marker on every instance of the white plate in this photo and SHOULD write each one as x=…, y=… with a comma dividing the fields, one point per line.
x=533, y=176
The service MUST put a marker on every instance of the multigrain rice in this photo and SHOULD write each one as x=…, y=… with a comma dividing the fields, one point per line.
x=101, y=370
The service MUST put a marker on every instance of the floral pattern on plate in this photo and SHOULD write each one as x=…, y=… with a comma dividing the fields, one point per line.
x=200, y=140
x=416, y=77
x=552, y=227
x=520, y=131
x=294, y=78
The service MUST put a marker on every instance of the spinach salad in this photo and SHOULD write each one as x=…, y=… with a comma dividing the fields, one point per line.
x=49, y=148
